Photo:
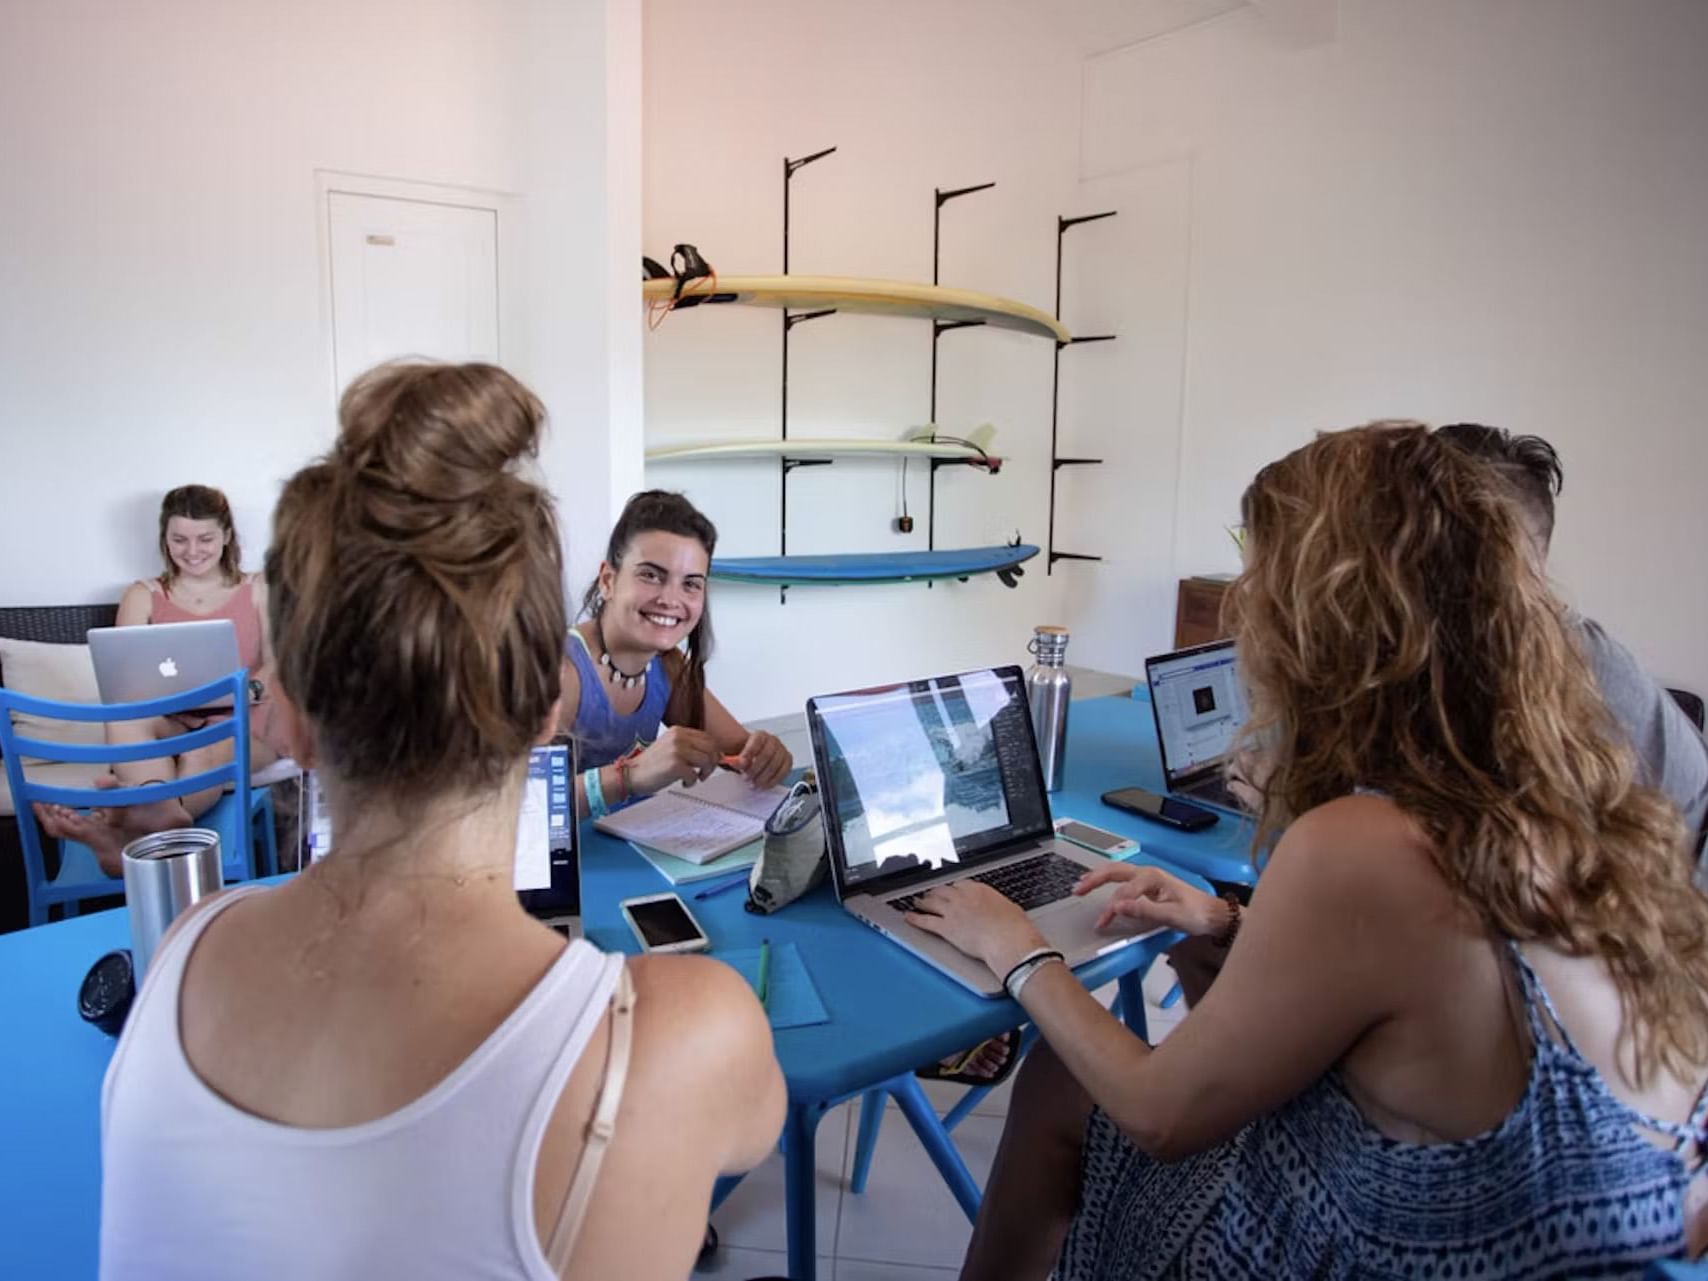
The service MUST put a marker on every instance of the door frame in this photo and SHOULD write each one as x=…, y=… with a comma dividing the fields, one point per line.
x=509, y=247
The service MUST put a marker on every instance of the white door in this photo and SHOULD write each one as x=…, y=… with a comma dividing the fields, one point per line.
x=411, y=278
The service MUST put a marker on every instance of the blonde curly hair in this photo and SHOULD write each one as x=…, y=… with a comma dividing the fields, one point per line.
x=1398, y=635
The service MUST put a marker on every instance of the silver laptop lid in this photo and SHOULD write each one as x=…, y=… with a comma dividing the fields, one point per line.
x=926, y=775
x=133, y=664
x=1198, y=702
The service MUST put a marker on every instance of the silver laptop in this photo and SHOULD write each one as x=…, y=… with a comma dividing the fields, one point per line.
x=928, y=782
x=1198, y=702
x=134, y=664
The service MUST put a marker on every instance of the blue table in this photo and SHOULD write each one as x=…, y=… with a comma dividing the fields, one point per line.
x=1111, y=743
x=51, y=1063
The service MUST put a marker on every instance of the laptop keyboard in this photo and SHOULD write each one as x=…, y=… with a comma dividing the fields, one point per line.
x=1032, y=882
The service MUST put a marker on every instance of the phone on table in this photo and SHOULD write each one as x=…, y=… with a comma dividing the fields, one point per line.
x=1096, y=839
x=663, y=923
x=1161, y=809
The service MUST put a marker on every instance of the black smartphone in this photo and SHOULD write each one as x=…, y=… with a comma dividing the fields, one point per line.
x=1161, y=809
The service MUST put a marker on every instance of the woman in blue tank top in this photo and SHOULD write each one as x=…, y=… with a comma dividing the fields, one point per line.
x=1462, y=1028
x=634, y=693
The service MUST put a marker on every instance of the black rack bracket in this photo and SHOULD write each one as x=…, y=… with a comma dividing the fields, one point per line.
x=941, y=196
x=790, y=320
x=1057, y=462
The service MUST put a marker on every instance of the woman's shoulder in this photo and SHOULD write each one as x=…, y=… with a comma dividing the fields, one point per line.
x=710, y=1010
x=136, y=604
x=1362, y=846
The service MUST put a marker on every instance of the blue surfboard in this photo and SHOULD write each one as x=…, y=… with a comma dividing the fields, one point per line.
x=875, y=567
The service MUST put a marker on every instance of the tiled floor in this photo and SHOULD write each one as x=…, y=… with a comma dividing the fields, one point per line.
x=906, y=1226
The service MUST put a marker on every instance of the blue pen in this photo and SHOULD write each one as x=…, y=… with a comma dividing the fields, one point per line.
x=719, y=889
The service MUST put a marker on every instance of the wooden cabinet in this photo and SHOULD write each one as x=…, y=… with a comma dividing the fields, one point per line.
x=1198, y=612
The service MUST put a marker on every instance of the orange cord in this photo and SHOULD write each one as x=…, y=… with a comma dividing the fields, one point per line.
x=659, y=308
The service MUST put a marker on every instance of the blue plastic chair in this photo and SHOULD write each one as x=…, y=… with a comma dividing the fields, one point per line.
x=934, y=1134
x=240, y=817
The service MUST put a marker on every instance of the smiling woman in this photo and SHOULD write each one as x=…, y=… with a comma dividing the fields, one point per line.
x=201, y=578
x=634, y=693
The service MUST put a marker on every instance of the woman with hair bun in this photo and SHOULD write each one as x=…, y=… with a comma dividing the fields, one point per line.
x=201, y=579
x=385, y=1067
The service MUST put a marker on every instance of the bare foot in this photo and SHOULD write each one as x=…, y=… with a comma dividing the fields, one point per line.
x=986, y=1063
x=140, y=820
x=107, y=841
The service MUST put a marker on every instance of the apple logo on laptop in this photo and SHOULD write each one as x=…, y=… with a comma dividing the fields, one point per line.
x=168, y=669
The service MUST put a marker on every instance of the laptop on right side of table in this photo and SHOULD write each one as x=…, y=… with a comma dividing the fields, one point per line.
x=1198, y=702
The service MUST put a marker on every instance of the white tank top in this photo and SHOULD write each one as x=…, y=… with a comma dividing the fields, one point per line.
x=194, y=1187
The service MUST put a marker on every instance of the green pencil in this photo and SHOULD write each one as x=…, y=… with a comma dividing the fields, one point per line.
x=765, y=973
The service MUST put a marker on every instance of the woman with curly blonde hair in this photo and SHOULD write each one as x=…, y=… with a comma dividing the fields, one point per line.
x=1463, y=1026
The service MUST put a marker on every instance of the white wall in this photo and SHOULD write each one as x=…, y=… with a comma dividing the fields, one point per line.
x=161, y=313
x=1460, y=209
x=915, y=96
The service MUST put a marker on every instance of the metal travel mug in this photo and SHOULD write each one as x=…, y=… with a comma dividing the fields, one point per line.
x=1048, y=689
x=164, y=874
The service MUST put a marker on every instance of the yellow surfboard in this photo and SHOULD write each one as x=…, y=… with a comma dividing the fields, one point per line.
x=877, y=297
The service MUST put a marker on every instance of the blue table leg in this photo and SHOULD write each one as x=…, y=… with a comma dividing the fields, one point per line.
x=938, y=1146
x=970, y=1100
x=871, y=1118
x=800, y=1174
x=1132, y=1008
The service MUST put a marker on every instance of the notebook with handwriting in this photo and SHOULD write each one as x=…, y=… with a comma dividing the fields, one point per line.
x=697, y=823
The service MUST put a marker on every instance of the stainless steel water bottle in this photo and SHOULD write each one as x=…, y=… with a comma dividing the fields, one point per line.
x=1048, y=689
x=164, y=874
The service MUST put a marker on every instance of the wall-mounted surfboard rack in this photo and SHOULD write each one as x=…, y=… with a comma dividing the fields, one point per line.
x=804, y=298
x=1065, y=224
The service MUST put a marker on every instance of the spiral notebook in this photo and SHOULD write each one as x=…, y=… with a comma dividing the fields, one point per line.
x=699, y=823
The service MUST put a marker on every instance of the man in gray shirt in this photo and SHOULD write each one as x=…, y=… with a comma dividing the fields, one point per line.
x=1671, y=753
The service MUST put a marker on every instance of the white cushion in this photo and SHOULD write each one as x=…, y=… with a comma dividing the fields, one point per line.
x=57, y=774
x=63, y=673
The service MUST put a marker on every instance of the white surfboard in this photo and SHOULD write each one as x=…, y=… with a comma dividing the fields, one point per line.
x=847, y=293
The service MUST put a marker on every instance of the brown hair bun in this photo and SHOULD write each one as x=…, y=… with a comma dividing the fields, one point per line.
x=416, y=582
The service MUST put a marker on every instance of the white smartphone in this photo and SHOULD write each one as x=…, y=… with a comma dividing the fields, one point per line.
x=1095, y=839
x=663, y=923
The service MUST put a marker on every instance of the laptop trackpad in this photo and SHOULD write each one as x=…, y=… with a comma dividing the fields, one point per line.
x=1071, y=923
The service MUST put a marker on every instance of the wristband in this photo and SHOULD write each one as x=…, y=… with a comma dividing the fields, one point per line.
x=1026, y=966
x=1229, y=932
x=624, y=763
x=596, y=807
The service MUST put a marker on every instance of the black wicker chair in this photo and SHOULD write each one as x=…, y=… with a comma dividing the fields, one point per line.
x=1691, y=703
x=54, y=625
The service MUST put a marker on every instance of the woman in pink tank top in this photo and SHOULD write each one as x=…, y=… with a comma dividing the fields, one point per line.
x=202, y=579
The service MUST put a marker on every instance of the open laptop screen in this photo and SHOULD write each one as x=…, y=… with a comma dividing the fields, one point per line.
x=930, y=773
x=1199, y=701
x=548, y=865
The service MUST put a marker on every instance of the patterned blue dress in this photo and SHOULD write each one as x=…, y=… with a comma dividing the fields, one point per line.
x=1565, y=1187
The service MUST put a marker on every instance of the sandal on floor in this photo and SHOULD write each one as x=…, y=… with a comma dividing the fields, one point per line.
x=955, y=1068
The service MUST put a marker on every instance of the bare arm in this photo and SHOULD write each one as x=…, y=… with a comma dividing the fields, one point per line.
x=268, y=666
x=135, y=606
x=1313, y=969
x=762, y=756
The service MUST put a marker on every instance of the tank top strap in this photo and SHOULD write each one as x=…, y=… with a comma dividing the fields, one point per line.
x=1546, y=1026
x=143, y=1028
x=1547, y=1029
x=600, y=1129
